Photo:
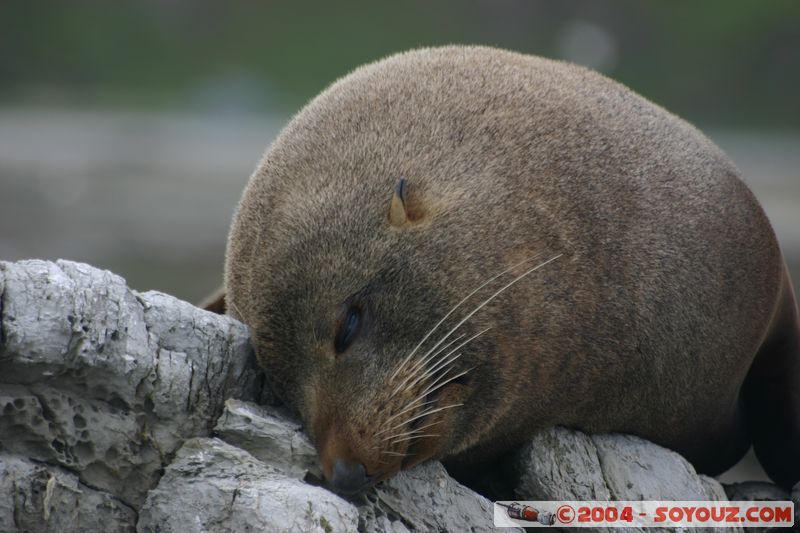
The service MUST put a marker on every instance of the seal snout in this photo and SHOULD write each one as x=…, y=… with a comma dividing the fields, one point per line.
x=348, y=477
x=346, y=462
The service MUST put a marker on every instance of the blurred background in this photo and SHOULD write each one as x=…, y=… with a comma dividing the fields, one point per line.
x=128, y=129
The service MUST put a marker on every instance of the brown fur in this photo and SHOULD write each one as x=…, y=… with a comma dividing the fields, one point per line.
x=647, y=324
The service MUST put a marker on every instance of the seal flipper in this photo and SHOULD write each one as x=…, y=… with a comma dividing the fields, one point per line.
x=215, y=302
x=771, y=393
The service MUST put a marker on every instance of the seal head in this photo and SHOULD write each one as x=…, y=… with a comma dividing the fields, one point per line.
x=453, y=248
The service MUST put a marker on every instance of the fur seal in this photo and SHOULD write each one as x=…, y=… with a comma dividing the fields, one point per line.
x=452, y=248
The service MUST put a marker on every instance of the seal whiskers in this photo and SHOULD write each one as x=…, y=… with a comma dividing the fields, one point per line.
x=434, y=368
x=454, y=308
x=427, y=412
x=421, y=372
x=493, y=296
x=417, y=430
x=416, y=367
x=438, y=383
x=415, y=437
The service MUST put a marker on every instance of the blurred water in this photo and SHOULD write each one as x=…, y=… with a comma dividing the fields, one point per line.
x=150, y=196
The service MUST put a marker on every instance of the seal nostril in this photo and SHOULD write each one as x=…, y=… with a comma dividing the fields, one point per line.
x=348, y=477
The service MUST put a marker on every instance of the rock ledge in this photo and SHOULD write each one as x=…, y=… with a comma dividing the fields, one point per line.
x=126, y=411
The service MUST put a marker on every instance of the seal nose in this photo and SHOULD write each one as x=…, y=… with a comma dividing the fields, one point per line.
x=349, y=478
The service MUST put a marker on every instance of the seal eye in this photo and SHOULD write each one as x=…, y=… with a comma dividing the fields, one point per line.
x=348, y=329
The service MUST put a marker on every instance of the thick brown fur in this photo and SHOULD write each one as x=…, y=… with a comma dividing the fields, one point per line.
x=670, y=283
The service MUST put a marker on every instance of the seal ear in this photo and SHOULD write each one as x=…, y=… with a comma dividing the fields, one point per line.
x=397, y=209
x=405, y=208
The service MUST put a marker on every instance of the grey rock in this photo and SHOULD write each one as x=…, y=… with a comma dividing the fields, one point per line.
x=271, y=435
x=104, y=445
x=560, y=464
x=753, y=491
x=107, y=382
x=44, y=498
x=563, y=464
x=422, y=499
x=213, y=486
x=635, y=469
x=103, y=389
x=425, y=498
x=713, y=488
